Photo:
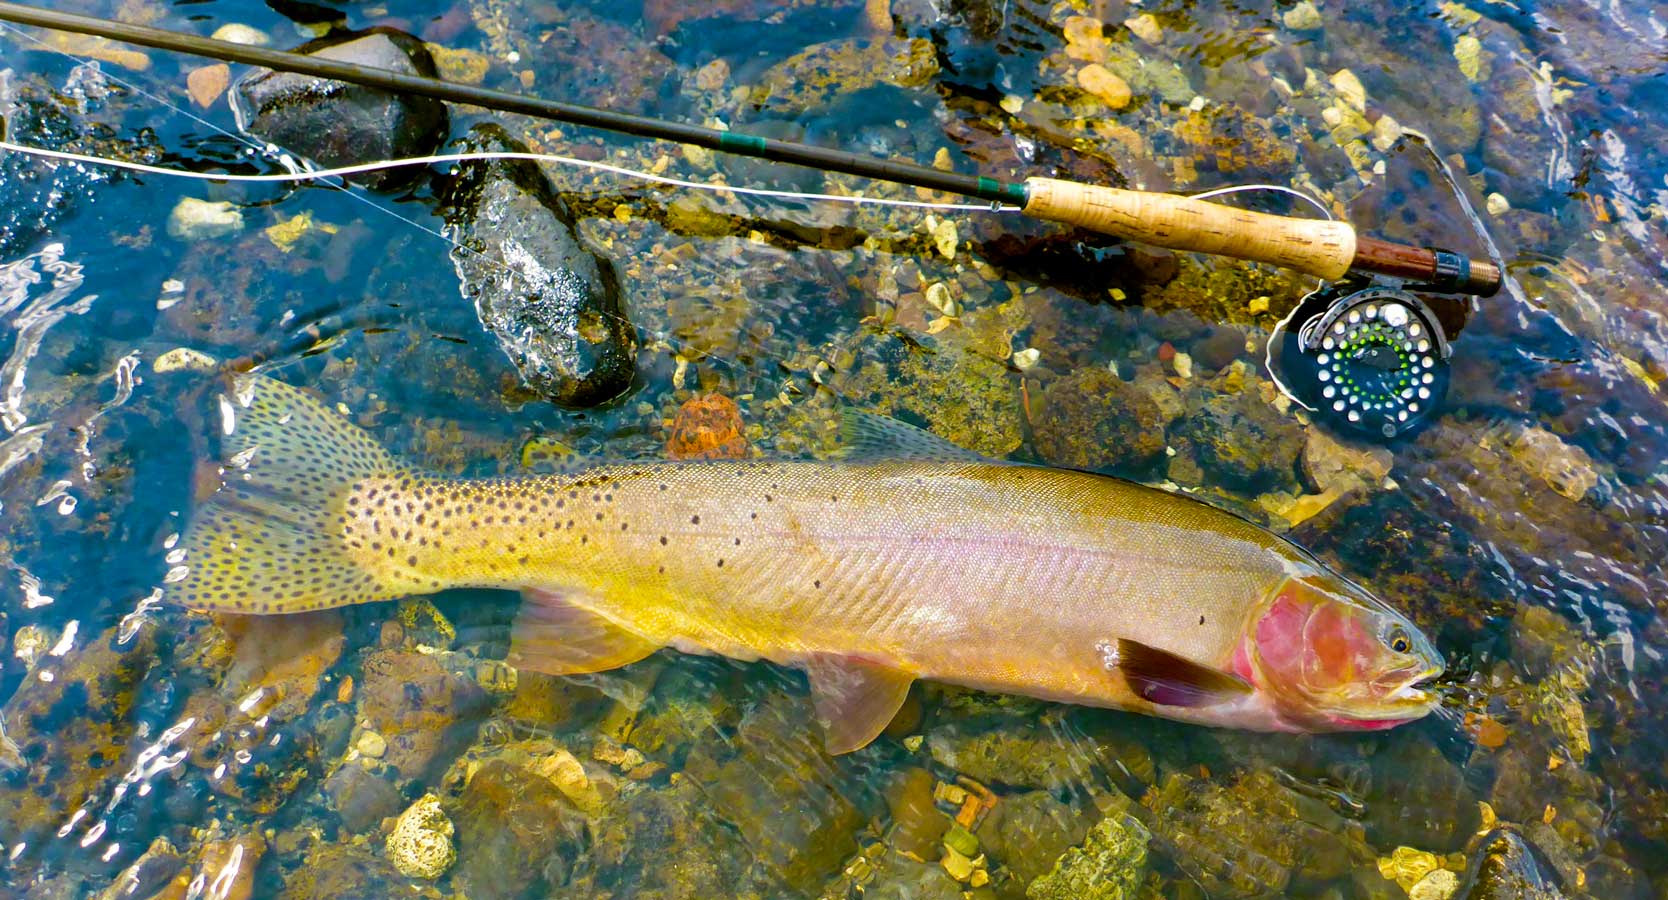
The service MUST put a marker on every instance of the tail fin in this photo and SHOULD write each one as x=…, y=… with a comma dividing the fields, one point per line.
x=270, y=539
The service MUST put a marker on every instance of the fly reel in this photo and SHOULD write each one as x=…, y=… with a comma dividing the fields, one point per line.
x=1366, y=358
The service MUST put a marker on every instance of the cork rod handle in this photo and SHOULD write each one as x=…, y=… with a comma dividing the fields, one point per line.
x=1318, y=247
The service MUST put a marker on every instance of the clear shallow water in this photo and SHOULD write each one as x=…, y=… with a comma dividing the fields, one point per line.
x=1523, y=531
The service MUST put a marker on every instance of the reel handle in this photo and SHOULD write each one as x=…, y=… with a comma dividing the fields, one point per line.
x=1326, y=249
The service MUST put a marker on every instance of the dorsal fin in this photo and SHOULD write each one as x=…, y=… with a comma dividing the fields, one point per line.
x=870, y=436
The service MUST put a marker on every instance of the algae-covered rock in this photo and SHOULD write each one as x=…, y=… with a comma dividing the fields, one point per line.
x=420, y=845
x=815, y=77
x=671, y=844
x=1028, y=832
x=516, y=833
x=1241, y=442
x=1506, y=866
x=334, y=871
x=73, y=720
x=776, y=785
x=553, y=304
x=1108, y=865
x=1003, y=750
x=424, y=711
x=1092, y=419
x=338, y=124
x=1253, y=837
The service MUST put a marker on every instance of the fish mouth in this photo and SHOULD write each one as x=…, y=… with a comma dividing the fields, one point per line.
x=1416, y=689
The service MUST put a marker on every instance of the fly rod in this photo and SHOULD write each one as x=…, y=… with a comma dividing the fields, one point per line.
x=1330, y=250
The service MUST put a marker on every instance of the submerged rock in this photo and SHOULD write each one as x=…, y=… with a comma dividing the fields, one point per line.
x=339, y=124
x=512, y=828
x=424, y=712
x=1091, y=419
x=1109, y=865
x=1505, y=866
x=553, y=305
x=349, y=872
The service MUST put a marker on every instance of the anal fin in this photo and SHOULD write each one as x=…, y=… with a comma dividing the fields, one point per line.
x=855, y=699
x=1161, y=677
x=556, y=636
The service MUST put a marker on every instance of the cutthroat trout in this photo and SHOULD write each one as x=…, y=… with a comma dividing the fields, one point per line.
x=910, y=559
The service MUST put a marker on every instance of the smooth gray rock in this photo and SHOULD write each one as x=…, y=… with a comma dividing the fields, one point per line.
x=337, y=124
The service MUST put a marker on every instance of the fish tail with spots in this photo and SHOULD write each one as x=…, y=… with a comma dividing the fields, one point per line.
x=271, y=539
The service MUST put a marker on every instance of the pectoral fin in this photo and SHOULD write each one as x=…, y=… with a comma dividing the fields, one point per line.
x=855, y=700
x=555, y=636
x=1161, y=677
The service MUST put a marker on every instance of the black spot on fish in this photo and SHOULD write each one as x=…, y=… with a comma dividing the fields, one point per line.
x=694, y=520
x=1201, y=620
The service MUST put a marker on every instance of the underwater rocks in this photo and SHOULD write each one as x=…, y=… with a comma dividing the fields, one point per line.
x=338, y=124
x=818, y=76
x=424, y=712
x=1091, y=419
x=349, y=872
x=552, y=304
x=1241, y=442
x=1108, y=865
x=1252, y=838
x=707, y=427
x=515, y=833
x=36, y=194
x=1506, y=866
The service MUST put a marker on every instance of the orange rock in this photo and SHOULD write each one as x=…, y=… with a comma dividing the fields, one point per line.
x=207, y=83
x=707, y=427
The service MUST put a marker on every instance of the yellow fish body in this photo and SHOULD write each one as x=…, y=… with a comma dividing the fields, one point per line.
x=928, y=563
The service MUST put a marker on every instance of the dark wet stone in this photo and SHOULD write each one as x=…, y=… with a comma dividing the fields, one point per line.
x=776, y=785
x=362, y=798
x=1091, y=419
x=1506, y=866
x=515, y=834
x=900, y=878
x=1254, y=837
x=1242, y=443
x=1027, y=832
x=553, y=305
x=338, y=124
x=349, y=872
x=1218, y=348
x=668, y=844
x=1420, y=798
x=424, y=712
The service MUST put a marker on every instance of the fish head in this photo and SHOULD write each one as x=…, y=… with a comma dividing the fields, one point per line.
x=1333, y=657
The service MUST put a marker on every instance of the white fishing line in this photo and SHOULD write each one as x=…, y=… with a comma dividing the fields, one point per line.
x=379, y=165
x=1277, y=188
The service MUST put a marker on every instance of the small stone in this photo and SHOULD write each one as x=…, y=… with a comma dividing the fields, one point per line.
x=979, y=878
x=1497, y=204
x=1012, y=104
x=1145, y=26
x=1407, y=866
x=420, y=845
x=205, y=84
x=460, y=66
x=184, y=359
x=961, y=841
x=1027, y=358
x=237, y=33
x=959, y=866
x=1086, y=39
x=567, y=773
x=1438, y=885
x=1303, y=17
x=1386, y=132
x=1182, y=364
x=712, y=76
x=944, y=238
x=1257, y=306
x=199, y=220
x=1100, y=81
x=938, y=297
x=1350, y=89
x=371, y=744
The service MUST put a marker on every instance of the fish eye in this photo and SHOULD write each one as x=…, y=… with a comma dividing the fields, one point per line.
x=1399, y=641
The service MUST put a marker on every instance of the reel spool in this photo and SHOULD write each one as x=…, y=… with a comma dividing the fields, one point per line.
x=1367, y=359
